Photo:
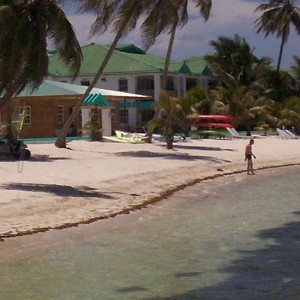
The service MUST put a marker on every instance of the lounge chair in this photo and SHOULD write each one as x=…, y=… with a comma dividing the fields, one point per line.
x=283, y=134
x=292, y=135
x=235, y=134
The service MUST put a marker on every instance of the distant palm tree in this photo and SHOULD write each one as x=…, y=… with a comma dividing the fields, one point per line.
x=167, y=16
x=296, y=67
x=193, y=103
x=233, y=56
x=277, y=18
x=244, y=103
x=278, y=85
x=25, y=28
x=287, y=115
x=171, y=115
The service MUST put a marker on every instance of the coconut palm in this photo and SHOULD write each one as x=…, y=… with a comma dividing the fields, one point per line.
x=287, y=115
x=278, y=85
x=296, y=67
x=193, y=103
x=278, y=17
x=168, y=18
x=235, y=56
x=243, y=102
x=25, y=28
x=122, y=15
x=171, y=115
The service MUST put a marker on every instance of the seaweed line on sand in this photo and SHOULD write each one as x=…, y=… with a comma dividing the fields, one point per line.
x=151, y=201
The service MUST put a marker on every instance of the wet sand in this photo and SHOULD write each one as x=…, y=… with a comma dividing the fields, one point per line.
x=59, y=188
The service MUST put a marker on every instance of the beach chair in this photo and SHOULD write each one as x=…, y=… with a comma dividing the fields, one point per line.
x=235, y=134
x=282, y=134
x=292, y=135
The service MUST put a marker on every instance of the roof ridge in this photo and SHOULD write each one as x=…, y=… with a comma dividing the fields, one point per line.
x=129, y=55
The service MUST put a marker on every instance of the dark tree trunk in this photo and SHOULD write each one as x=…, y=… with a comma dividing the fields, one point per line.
x=61, y=140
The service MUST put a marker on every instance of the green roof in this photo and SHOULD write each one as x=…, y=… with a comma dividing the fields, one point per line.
x=126, y=59
x=130, y=48
x=198, y=65
x=96, y=100
x=55, y=88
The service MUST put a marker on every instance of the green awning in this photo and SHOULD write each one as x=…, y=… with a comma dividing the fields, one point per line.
x=96, y=100
x=136, y=104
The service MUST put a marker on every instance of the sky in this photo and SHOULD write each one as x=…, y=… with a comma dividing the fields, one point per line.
x=228, y=17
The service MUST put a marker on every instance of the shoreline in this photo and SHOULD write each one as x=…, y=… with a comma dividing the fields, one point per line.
x=171, y=181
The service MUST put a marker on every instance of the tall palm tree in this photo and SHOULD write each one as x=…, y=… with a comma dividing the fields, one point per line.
x=122, y=15
x=233, y=56
x=168, y=15
x=25, y=28
x=244, y=103
x=278, y=17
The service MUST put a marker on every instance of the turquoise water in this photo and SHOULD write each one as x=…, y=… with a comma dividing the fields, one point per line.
x=236, y=237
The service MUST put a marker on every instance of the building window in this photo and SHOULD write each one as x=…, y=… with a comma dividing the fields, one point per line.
x=191, y=83
x=145, y=83
x=123, y=85
x=170, y=84
x=60, y=113
x=25, y=114
x=124, y=116
x=103, y=79
x=85, y=82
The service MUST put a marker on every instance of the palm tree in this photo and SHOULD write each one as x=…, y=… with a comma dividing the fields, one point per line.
x=233, y=56
x=287, y=115
x=296, y=67
x=244, y=103
x=193, y=103
x=167, y=15
x=278, y=85
x=171, y=115
x=25, y=28
x=122, y=15
x=277, y=18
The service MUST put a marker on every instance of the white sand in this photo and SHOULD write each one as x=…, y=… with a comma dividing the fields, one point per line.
x=93, y=180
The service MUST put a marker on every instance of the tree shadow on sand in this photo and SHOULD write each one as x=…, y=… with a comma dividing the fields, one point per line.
x=269, y=273
x=174, y=156
x=47, y=158
x=58, y=190
x=202, y=148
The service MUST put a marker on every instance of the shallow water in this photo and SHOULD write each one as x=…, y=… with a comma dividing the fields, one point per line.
x=236, y=237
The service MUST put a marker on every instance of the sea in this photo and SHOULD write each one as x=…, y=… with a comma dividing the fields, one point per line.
x=234, y=237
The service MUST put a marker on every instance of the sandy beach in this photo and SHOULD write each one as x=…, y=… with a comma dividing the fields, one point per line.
x=89, y=181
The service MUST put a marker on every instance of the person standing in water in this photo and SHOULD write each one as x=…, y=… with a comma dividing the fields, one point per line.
x=248, y=157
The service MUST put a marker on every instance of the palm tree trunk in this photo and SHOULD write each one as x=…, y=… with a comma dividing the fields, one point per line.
x=6, y=102
x=165, y=76
x=61, y=139
x=168, y=57
x=248, y=127
x=280, y=53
